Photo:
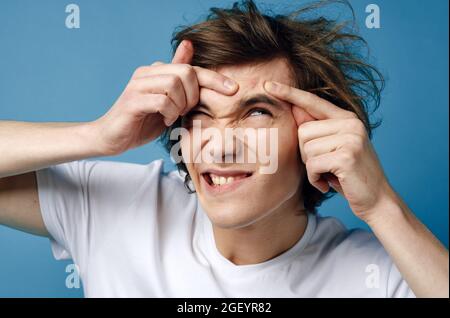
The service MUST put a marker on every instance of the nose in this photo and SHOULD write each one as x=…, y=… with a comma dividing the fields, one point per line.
x=223, y=146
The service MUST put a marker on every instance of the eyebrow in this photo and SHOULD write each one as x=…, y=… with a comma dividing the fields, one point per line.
x=252, y=100
x=258, y=98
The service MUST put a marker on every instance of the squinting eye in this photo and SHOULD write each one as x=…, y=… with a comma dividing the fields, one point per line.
x=195, y=112
x=259, y=112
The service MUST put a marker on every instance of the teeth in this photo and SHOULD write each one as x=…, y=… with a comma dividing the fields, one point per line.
x=218, y=180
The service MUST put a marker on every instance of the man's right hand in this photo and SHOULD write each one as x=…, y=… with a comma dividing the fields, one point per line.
x=154, y=98
x=139, y=116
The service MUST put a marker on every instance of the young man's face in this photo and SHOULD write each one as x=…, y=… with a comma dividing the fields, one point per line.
x=253, y=191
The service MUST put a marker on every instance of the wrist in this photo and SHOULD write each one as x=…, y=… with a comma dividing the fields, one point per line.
x=388, y=208
x=90, y=136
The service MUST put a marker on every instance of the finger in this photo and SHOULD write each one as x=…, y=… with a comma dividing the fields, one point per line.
x=333, y=181
x=169, y=85
x=206, y=78
x=301, y=116
x=192, y=78
x=322, y=145
x=319, y=165
x=317, y=107
x=157, y=103
x=185, y=72
x=184, y=53
x=321, y=128
x=216, y=81
x=168, y=109
x=146, y=70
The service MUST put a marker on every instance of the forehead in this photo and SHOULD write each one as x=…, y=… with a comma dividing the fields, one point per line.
x=251, y=79
x=254, y=75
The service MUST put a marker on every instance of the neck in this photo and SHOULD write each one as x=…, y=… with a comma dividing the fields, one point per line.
x=265, y=239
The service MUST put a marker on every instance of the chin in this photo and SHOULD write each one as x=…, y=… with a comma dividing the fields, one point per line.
x=233, y=216
x=230, y=216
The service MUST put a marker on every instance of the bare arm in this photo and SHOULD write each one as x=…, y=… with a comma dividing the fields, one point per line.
x=20, y=204
x=337, y=152
x=27, y=147
x=154, y=98
x=422, y=260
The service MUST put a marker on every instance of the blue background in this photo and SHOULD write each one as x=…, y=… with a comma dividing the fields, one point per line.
x=51, y=73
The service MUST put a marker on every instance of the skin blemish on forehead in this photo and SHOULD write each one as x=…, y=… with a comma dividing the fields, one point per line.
x=255, y=74
x=251, y=79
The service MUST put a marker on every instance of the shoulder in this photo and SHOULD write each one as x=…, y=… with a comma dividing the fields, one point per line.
x=119, y=173
x=350, y=250
x=357, y=256
x=355, y=244
x=113, y=181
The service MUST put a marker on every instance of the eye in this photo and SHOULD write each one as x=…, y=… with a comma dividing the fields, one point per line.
x=259, y=112
x=194, y=113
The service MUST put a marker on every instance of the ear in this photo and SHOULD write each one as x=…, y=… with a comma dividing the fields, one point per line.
x=184, y=53
x=300, y=115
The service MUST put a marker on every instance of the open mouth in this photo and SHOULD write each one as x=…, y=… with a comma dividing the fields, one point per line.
x=224, y=179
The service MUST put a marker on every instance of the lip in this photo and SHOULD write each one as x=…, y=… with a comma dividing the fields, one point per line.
x=226, y=188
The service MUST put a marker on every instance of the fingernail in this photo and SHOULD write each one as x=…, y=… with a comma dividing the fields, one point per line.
x=270, y=86
x=323, y=191
x=229, y=84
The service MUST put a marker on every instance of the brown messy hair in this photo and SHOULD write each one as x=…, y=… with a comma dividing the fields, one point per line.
x=324, y=55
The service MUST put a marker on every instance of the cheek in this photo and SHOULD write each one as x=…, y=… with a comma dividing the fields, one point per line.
x=289, y=176
x=288, y=173
x=257, y=122
x=277, y=147
x=186, y=149
x=190, y=146
x=289, y=152
x=288, y=141
x=186, y=152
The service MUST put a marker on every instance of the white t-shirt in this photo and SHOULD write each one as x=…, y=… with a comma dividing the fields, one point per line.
x=134, y=231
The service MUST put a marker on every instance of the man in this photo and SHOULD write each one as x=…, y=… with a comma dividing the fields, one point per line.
x=135, y=231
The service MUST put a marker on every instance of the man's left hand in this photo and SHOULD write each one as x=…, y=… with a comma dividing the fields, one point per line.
x=336, y=150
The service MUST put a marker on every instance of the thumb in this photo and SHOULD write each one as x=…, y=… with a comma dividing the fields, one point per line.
x=300, y=115
x=334, y=182
x=184, y=53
